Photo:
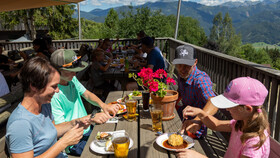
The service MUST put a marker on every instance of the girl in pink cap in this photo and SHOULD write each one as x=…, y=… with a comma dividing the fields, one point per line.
x=243, y=98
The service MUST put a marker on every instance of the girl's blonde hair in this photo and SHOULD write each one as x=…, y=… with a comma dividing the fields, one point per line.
x=255, y=127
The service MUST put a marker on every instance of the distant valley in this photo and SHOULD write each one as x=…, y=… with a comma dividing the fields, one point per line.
x=255, y=21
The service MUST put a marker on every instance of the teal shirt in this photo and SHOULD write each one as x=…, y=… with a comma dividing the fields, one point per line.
x=67, y=104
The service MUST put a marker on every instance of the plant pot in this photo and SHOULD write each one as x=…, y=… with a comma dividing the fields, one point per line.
x=167, y=103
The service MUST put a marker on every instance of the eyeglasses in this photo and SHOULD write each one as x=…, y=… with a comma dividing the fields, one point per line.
x=76, y=63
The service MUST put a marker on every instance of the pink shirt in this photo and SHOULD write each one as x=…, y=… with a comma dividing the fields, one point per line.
x=236, y=149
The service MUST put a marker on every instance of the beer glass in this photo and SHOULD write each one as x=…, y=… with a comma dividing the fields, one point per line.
x=120, y=141
x=156, y=114
x=131, y=109
x=122, y=60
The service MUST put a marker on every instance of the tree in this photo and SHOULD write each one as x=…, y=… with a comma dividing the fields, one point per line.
x=222, y=33
x=91, y=29
x=58, y=19
x=154, y=23
x=191, y=32
x=111, y=24
x=258, y=56
x=13, y=18
x=217, y=27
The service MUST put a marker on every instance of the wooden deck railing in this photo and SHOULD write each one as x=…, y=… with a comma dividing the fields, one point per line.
x=68, y=44
x=220, y=67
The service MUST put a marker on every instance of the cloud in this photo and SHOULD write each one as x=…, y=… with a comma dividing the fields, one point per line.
x=117, y=2
x=140, y=2
x=95, y=2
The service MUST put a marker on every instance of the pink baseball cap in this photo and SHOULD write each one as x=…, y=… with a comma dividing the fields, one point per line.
x=241, y=91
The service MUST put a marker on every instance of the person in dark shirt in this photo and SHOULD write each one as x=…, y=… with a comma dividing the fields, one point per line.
x=155, y=60
x=40, y=47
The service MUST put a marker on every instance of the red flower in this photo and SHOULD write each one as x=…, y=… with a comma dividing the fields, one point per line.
x=170, y=80
x=160, y=73
x=146, y=74
x=153, y=86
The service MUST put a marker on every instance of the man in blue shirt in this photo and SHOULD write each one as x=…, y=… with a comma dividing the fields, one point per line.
x=155, y=60
x=194, y=87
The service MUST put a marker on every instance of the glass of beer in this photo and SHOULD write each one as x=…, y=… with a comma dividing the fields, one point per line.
x=156, y=114
x=120, y=141
x=131, y=109
x=122, y=60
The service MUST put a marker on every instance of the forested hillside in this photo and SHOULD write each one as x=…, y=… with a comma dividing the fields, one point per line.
x=256, y=22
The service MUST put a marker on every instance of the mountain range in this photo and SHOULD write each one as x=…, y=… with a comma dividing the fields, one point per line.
x=257, y=21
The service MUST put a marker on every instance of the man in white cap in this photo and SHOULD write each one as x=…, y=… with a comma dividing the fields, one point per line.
x=67, y=103
x=194, y=87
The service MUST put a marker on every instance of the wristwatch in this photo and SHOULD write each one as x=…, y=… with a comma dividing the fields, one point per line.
x=94, y=112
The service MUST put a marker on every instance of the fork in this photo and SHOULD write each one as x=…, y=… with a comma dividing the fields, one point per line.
x=178, y=132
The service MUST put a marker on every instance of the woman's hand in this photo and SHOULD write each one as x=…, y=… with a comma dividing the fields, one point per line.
x=111, y=109
x=100, y=118
x=188, y=153
x=83, y=122
x=73, y=136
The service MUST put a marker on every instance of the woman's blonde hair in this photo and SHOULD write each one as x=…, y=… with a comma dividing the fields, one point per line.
x=255, y=127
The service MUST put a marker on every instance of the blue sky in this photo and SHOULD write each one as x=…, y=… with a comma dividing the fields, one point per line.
x=89, y=5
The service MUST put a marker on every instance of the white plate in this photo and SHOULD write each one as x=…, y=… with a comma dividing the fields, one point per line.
x=101, y=150
x=135, y=97
x=123, y=111
x=120, y=101
x=165, y=136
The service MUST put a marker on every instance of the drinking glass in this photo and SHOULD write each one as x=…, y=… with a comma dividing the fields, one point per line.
x=122, y=60
x=120, y=141
x=146, y=99
x=156, y=114
x=131, y=109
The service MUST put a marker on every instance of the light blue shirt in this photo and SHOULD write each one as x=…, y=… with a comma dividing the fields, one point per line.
x=27, y=131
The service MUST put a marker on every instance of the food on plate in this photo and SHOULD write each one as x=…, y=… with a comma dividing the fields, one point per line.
x=136, y=93
x=102, y=138
x=109, y=146
x=175, y=140
x=122, y=100
x=114, y=65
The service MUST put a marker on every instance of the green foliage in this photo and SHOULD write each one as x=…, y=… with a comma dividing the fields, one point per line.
x=258, y=56
x=58, y=20
x=91, y=29
x=223, y=34
x=190, y=31
x=111, y=24
x=155, y=24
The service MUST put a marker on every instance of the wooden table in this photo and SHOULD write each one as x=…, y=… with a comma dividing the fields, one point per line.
x=114, y=73
x=140, y=131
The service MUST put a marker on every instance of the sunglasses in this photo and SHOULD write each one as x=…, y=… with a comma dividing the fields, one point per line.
x=76, y=63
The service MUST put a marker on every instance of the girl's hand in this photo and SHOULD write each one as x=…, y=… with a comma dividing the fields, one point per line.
x=188, y=153
x=191, y=111
x=100, y=118
x=73, y=136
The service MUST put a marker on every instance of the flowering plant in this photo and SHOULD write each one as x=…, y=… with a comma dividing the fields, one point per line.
x=153, y=81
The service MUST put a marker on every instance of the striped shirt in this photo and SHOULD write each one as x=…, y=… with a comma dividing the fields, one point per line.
x=195, y=91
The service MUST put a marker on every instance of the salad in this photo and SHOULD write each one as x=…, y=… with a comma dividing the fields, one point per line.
x=136, y=93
